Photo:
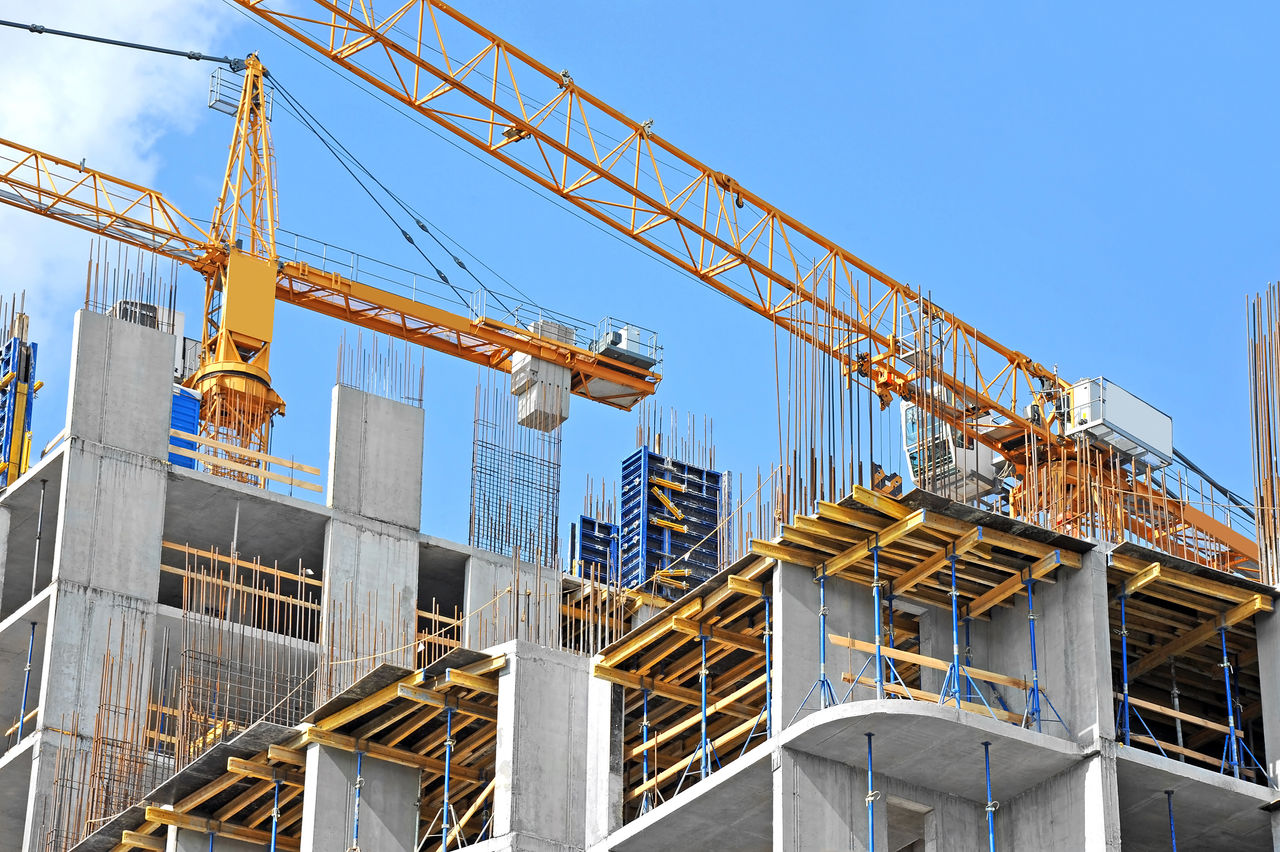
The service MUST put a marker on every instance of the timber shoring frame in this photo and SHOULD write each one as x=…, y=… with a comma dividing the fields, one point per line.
x=402, y=723
x=1173, y=614
x=658, y=665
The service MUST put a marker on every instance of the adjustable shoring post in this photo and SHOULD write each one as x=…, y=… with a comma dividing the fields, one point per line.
x=992, y=805
x=1174, y=693
x=448, y=772
x=1127, y=711
x=645, y=804
x=955, y=672
x=702, y=677
x=766, y=712
x=275, y=816
x=26, y=681
x=1173, y=835
x=826, y=694
x=355, y=817
x=1231, y=750
x=875, y=593
x=872, y=795
x=1033, y=705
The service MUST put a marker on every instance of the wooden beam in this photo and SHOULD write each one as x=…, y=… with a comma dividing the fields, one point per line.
x=880, y=502
x=674, y=730
x=459, y=678
x=932, y=698
x=852, y=517
x=927, y=662
x=996, y=595
x=222, y=829
x=253, y=769
x=208, y=791
x=785, y=554
x=842, y=561
x=825, y=544
x=692, y=697
x=670, y=772
x=439, y=699
x=397, y=756
x=934, y=563
x=388, y=693
x=1200, y=635
x=1191, y=582
x=1175, y=714
x=137, y=840
x=724, y=637
x=280, y=754
x=655, y=628
x=743, y=586
x=1143, y=578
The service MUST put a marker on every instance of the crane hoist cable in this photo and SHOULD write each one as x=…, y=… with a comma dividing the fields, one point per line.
x=347, y=160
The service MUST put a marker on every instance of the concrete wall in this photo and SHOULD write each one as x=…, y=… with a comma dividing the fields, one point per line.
x=369, y=605
x=541, y=786
x=388, y=807
x=796, y=648
x=375, y=457
x=603, y=760
x=1078, y=809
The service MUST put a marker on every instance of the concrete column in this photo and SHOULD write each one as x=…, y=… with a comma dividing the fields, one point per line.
x=106, y=546
x=1078, y=809
x=488, y=594
x=375, y=458
x=604, y=760
x=796, y=642
x=121, y=384
x=388, y=810
x=821, y=804
x=368, y=612
x=540, y=787
x=1268, y=629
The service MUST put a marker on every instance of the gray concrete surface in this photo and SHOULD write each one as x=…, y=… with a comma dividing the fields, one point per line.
x=375, y=457
x=388, y=820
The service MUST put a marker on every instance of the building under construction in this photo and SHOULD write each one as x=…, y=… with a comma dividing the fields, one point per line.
x=1049, y=630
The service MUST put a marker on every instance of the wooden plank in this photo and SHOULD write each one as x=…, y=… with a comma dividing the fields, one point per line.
x=245, y=451
x=1200, y=635
x=843, y=561
x=719, y=744
x=439, y=699
x=1174, y=714
x=653, y=629
x=1174, y=748
x=266, y=772
x=399, y=756
x=222, y=829
x=932, y=697
x=717, y=634
x=692, y=697
x=137, y=840
x=785, y=554
x=1138, y=581
x=927, y=662
x=1008, y=587
x=742, y=586
x=934, y=563
x=244, y=468
x=457, y=677
x=280, y=754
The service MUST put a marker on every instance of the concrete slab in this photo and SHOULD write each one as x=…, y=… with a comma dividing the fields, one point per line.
x=938, y=748
x=1211, y=811
x=732, y=809
x=200, y=510
x=207, y=767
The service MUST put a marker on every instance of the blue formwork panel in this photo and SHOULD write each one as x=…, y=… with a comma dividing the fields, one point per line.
x=19, y=359
x=597, y=549
x=655, y=537
x=184, y=416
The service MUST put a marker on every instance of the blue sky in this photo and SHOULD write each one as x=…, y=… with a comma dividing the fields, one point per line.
x=1094, y=188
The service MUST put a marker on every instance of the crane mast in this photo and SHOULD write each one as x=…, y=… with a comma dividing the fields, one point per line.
x=543, y=125
x=246, y=274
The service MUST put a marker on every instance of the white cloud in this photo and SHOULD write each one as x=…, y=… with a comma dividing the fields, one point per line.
x=108, y=105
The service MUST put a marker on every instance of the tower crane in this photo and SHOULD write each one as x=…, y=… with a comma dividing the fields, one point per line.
x=541, y=123
x=246, y=273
